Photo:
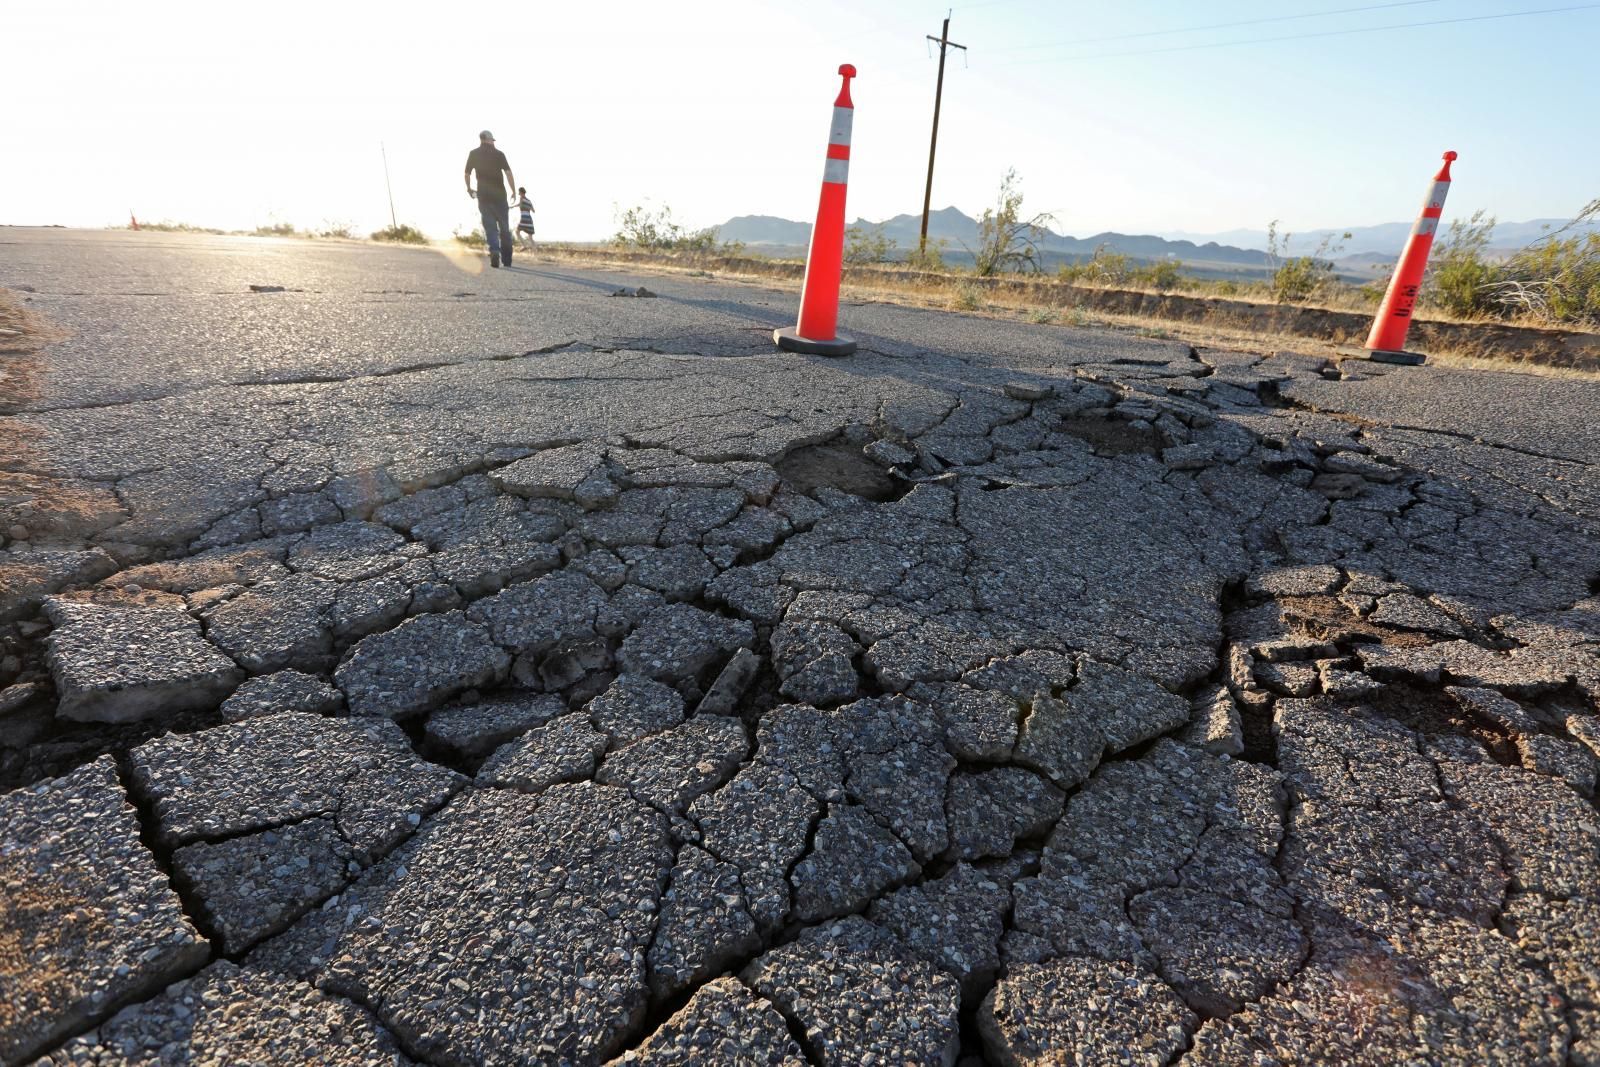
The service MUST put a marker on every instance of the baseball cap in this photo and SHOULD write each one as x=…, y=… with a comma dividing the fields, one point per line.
x=485, y=135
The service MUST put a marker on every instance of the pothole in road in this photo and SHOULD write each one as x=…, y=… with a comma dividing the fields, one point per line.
x=1113, y=437
x=1434, y=714
x=840, y=466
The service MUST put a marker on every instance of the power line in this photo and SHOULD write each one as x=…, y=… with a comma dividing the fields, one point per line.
x=1218, y=25
x=1308, y=36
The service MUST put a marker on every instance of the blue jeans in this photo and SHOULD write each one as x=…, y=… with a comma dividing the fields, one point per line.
x=496, y=228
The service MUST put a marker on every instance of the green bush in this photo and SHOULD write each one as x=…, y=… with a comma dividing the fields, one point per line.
x=1555, y=280
x=401, y=234
x=1105, y=267
x=652, y=230
x=337, y=229
x=929, y=257
x=1296, y=280
x=863, y=245
x=1459, y=273
x=168, y=226
x=969, y=297
x=1007, y=241
x=472, y=238
x=277, y=229
x=1161, y=275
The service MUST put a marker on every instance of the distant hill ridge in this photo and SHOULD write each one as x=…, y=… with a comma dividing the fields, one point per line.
x=1244, y=248
x=960, y=230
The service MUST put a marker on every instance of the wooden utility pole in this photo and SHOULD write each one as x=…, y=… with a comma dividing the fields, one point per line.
x=393, y=224
x=944, y=42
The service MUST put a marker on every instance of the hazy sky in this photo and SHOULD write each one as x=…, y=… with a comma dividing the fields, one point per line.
x=239, y=115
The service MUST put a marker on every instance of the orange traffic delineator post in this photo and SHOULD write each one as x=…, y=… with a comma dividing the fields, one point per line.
x=133, y=220
x=817, y=332
x=1387, y=341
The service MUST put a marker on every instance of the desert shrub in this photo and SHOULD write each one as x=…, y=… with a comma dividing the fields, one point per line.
x=1296, y=279
x=472, y=238
x=401, y=234
x=1105, y=267
x=168, y=226
x=277, y=229
x=867, y=245
x=653, y=230
x=929, y=257
x=1459, y=270
x=1555, y=279
x=1042, y=316
x=331, y=228
x=1006, y=240
x=969, y=297
x=1161, y=275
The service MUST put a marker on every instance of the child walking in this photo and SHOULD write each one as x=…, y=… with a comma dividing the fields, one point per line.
x=525, y=224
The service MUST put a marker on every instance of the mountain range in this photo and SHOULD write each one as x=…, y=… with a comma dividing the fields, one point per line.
x=1384, y=239
x=1369, y=250
x=960, y=232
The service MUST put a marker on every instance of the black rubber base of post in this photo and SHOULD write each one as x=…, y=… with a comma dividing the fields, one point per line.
x=790, y=341
x=1404, y=359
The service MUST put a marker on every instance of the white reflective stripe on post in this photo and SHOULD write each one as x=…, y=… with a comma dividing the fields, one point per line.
x=836, y=171
x=1425, y=226
x=843, y=119
x=1436, y=196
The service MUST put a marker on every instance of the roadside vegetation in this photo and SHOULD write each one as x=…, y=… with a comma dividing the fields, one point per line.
x=1299, y=279
x=471, y=239
x=1553, y=281
x=401, y=234
x=1008, y=242
x=646, y=229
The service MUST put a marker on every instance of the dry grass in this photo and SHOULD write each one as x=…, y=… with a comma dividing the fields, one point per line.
x=961, y=294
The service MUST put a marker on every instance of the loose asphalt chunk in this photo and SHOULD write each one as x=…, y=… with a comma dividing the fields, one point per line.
x=225, y=1015
x=861, y=996
x=989, y=810
x=722, y=1023
x=276, y=770
x=853, y=860
x=287, y=690
x=760, y=822
x=1085, y=1011
x=704, y=923
x=473, y=730
x=677, y=641
x=280, y=623
x=419, y=665
x=119, y=664
x=534, y=617
x=90, y=920
x=954, y=921
x=567, y=883
x=633, y=707
x=273, y=815
x=669, y=769
x=26, y=579
x=565, y=749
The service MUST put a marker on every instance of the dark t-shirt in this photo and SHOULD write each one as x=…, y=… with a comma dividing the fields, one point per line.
x=488, y=163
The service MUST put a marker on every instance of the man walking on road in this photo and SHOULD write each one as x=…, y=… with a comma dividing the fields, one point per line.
x=494, y=206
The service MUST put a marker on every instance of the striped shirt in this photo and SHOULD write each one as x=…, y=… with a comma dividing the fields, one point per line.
x=526, y=206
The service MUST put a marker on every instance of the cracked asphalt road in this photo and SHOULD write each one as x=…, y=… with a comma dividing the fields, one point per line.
x=432, y=665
